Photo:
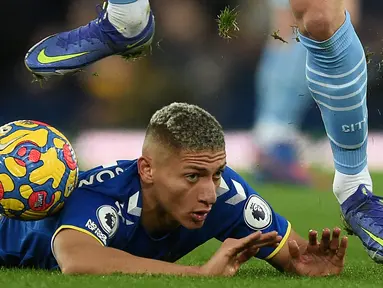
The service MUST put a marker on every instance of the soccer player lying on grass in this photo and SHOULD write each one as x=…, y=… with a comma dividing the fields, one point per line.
x=336, y=73
x=139, y=216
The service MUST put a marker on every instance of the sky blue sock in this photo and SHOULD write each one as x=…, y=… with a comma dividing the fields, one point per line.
x=282, y=93
x=336, y=71
x=122, y=1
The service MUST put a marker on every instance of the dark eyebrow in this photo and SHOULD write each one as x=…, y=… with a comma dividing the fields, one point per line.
x=201, y=169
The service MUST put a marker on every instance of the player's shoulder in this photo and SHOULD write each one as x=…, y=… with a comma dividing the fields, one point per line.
x=236, y=197
x=104, y=173
x=233, y=188
x=118, y=180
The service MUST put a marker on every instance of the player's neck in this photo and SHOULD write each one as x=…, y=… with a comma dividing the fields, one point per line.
x=156, y=221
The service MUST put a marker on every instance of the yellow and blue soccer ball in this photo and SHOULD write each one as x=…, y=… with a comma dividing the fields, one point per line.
x=38, y=170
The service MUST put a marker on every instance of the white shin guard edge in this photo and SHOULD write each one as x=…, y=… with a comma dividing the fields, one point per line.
x=129, y=19
x=346, y=185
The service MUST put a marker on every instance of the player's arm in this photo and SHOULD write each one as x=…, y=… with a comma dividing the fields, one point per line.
x=294, y=253
x=84, y=241
x=311, y=257
x=80, y=253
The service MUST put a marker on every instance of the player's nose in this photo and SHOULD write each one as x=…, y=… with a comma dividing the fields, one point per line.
x=208, y=195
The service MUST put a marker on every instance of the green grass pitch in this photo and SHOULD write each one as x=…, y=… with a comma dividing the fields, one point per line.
x=305, y=209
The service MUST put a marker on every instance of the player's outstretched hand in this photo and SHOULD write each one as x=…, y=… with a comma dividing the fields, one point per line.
x=234, y=252
x=319, y=258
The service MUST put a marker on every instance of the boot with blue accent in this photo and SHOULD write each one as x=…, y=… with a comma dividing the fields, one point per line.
x=363, y=217
x=68, y=52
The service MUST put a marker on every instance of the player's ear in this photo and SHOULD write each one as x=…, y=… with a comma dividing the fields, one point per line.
x=145, y=169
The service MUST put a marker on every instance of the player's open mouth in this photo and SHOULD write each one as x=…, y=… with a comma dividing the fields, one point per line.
x=199, y=216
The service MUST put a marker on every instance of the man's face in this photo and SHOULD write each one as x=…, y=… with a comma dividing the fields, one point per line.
x=186, y=185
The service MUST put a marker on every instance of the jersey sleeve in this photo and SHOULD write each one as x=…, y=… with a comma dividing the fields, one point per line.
x=247, y=212
x=91, y=213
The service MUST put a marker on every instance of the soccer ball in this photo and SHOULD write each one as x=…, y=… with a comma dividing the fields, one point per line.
x=38, y=170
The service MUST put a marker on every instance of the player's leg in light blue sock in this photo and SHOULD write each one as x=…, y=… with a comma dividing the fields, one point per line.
x=282, y=99
x=282, y=93
x=337, y=78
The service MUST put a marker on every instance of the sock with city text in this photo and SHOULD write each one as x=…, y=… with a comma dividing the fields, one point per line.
x=336, y=71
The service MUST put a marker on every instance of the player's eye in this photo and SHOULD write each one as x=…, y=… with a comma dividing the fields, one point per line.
x=218, y=174
x=192, y=177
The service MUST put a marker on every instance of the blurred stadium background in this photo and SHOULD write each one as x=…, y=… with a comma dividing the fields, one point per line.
x=105, y=109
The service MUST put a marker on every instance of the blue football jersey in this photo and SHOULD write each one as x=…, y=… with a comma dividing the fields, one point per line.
x=107, y=206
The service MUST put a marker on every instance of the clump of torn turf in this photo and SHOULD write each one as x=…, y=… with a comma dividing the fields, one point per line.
x=39, y=79
x=276, y=36
x=227, y=23
x=296, y=33
x=368, y=54
x=131, y=57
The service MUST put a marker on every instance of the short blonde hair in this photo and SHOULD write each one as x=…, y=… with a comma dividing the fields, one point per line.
x=186, y=127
